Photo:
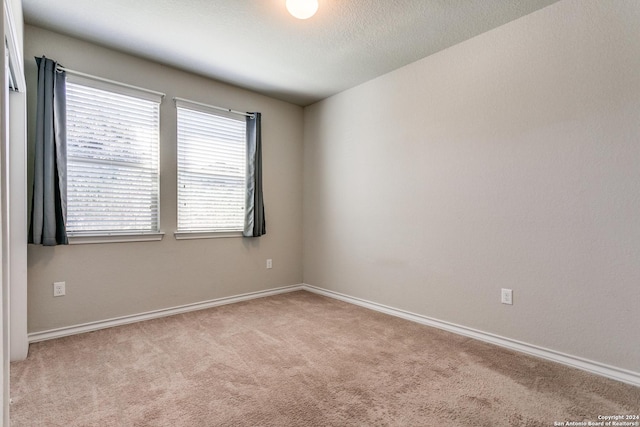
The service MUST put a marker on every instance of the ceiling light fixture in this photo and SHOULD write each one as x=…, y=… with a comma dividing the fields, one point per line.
x=302, y=9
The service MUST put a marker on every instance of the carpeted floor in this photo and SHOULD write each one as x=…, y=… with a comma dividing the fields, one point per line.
x=298, y=359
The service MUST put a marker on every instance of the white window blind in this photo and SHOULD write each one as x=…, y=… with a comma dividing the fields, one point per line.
x=112, y=161
x=211, y=170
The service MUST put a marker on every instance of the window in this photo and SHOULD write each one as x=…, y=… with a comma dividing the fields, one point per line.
x=112, y=159
x=211, y=169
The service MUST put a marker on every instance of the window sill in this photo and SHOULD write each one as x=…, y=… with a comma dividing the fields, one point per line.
x=188, y=235
x=87, y=239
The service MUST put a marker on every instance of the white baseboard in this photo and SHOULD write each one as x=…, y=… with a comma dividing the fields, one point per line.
x=597, y=368
x=124, y=320
x=604, y=370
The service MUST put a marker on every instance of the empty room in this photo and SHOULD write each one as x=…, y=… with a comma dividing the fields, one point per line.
x=320, y=213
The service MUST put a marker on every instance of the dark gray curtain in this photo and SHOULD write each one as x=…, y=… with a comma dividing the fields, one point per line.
x=49, y=207
x=254, y=223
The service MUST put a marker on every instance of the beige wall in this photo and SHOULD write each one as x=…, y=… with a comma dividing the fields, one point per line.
x=110, y=280
x=510, y=160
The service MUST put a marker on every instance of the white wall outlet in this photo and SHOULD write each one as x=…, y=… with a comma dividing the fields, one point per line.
x=59, y=289
x=506, y=297
x=269, y=263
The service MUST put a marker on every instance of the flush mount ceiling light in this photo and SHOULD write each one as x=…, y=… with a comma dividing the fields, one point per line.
x=302, y=9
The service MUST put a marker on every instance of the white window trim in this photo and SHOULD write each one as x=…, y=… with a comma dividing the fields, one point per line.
x=190, y=235
x=123, y=237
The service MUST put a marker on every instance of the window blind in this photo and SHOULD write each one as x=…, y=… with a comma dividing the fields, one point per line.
x=112, y=161
x=211, y=170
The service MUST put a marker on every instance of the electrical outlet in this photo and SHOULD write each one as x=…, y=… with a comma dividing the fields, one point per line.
x=269, y=263
x=506, y=296
x=59, y=289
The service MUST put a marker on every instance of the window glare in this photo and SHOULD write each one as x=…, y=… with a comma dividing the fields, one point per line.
x=112, y=161
x=211, y=171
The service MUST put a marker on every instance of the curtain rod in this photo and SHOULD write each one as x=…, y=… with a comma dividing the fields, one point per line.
x=212, y=106
x=113, y=82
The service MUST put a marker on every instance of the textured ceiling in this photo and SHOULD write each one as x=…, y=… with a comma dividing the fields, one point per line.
x=256, y=44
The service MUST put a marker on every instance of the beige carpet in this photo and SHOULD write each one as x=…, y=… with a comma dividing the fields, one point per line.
x=298, y=359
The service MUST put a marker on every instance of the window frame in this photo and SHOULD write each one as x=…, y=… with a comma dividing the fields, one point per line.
x=184, y=234
x=120, y=236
